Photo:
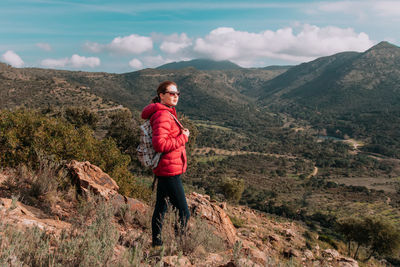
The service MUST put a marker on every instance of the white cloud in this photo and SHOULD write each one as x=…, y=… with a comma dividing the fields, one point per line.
x=55, y=63
x=80, y=61
x=311, y=42
x=44, y=46
x=136, y=64
x=175, y=43
x=75, y=61
x=13, y=59
x=132, y=44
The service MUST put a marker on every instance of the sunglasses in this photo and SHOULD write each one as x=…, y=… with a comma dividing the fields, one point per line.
x=173, y=93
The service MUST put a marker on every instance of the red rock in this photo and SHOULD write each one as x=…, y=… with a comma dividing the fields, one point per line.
x=91, y=177
x=214, y=215
x=23, y=216
x=133, y=204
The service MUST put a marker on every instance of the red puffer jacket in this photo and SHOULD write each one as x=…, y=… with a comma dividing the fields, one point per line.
x=167, y=138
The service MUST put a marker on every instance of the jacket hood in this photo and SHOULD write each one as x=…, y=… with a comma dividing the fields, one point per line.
x=152, y=108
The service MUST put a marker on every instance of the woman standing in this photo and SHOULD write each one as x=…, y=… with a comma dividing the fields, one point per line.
x=169, y=138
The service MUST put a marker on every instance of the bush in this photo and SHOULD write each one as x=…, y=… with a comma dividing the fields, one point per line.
x=80, y=116
x=27, y=134
x=237, y=222
x=232, y=189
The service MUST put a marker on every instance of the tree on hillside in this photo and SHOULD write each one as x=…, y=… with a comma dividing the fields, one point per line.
x=232, y=189
x=375, y=235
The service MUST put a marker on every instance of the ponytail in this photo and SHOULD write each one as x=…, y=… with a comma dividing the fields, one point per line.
x=156, y=99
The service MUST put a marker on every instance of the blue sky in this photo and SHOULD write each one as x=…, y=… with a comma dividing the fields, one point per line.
x=123, y=36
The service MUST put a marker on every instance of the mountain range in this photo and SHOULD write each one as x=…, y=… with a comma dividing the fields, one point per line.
x=348, y=93
x=345, y=81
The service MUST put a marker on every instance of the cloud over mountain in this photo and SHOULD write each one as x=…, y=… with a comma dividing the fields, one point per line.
x=136, y=63
x=76, y=61
x=13, y=59
x=300, y=43
x=311, y=42
x=132, y=44
x=175, y=43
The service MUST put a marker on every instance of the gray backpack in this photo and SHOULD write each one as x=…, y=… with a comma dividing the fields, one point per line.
x=145, y=151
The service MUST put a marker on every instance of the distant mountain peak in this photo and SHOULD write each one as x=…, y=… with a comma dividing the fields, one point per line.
x=201, y=64
x=383, y=45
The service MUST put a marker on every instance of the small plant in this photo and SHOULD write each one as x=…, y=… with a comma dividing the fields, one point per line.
x=14, y=200
x=197, y=234
x=237, y=251
x=237, y=222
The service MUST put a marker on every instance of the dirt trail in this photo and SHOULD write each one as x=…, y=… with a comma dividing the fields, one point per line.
x=218, y=151
x=314, y=173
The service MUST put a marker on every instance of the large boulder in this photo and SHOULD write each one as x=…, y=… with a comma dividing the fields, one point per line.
x=214, y=215
x=91, y=177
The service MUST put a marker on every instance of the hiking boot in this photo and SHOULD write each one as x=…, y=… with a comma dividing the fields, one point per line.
x=156, y=251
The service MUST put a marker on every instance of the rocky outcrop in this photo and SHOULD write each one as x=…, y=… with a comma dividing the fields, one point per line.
x=15, y=213
x=91, y=177
x=214, y=215
x=332, y=256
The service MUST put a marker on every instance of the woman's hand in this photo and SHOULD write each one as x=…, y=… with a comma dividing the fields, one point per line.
x=186, y=132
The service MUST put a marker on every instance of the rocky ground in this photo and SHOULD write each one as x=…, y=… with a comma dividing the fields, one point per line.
x=255, y=240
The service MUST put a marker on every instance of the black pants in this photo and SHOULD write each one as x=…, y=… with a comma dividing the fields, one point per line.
x=169, y=188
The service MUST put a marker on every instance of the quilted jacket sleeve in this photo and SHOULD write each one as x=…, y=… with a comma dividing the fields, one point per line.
x=163, y=126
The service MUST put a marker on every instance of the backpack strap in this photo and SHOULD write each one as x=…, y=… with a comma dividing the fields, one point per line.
x=180, y=124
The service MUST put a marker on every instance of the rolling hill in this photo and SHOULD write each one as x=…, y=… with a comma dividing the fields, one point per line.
x=342, y=82
x=346, y=95
x=349, y=94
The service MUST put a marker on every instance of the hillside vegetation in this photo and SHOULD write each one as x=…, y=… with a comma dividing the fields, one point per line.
x=317, y=142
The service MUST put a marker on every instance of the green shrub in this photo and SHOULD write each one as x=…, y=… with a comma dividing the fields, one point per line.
x=237, y=222
x=27, y=134
x=232, y=189
x=80, y=116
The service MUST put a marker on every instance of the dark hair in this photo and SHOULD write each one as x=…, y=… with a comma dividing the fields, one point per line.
x=162, y=88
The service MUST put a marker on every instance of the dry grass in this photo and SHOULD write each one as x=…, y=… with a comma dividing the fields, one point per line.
x=90, y=242
x=41, y=187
